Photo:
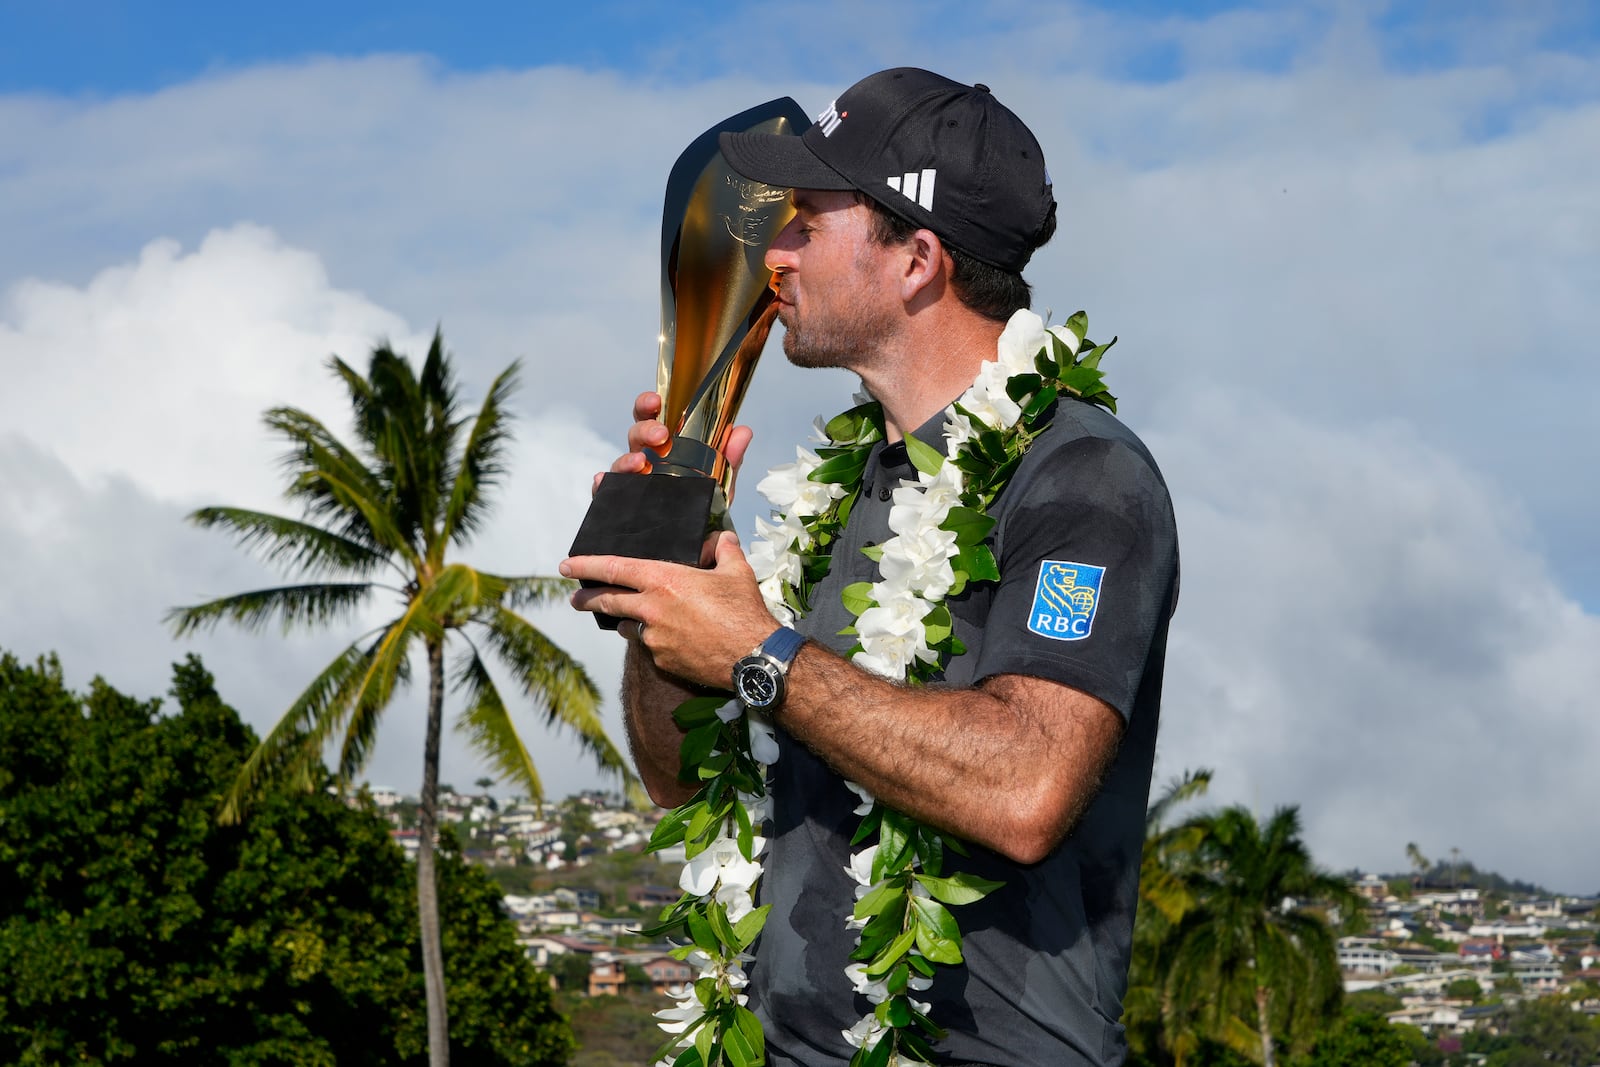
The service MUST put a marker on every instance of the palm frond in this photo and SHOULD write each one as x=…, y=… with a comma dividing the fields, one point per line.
x=482, y=460
x=316, y=604
x=460, y=593
x=291, y=543
x=386, y=671
x=489, y=729
x=536, y=590
x=551, y=677
x=334, y=485
x=295, y=743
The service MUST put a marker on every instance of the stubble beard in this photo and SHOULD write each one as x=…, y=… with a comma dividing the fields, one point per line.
x=845, y=341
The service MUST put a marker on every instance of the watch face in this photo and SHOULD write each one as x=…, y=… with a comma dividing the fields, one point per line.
x=758, y=683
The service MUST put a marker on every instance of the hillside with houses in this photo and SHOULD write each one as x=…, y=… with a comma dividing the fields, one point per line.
x=1446, y=952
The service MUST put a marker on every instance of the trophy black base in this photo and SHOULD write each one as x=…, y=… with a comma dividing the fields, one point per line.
x=650, y=516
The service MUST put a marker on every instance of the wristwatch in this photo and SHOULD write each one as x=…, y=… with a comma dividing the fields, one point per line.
x=758, y=679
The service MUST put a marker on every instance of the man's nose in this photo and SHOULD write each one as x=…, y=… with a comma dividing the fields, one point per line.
x=780, y=254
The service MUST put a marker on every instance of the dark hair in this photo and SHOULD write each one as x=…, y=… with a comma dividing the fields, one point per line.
x=990, y=291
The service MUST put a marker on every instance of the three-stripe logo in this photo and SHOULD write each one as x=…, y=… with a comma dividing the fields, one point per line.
x=916, y=186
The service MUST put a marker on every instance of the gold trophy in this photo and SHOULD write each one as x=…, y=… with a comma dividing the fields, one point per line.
x=717, y=308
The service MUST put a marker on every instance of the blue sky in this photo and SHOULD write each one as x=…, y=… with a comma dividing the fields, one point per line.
x=1350, y=249
x=112, y=46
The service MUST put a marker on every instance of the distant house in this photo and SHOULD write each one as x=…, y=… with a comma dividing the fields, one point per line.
x=1475, y=948
x=1371, y=886
x=666, y=973
x=606, y=978
x=1366, y=956
x=654, y=896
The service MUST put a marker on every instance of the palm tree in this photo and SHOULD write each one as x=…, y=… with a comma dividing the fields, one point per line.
x=1252, y=938
x=1165, y=897
x=379, y=518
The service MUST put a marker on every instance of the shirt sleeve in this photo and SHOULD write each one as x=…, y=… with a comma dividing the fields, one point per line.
x=1088, y=559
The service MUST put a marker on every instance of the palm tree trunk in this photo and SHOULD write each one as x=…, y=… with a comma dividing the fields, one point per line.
x=1263, y=997
x=427, y=880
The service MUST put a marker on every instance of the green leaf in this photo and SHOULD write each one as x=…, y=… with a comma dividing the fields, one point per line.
x=893, y=843
x=879, y=898
x=1078, y=324
x=937, y=623
x=924, y=457
x=874, y=553
x=697, y=711
x=898, y=1012
x=859, y=424
x=1041, y=400
x=746, y=831
x=969, y=525
x=747, y=928
x=891, y=955
x=869, y=825
x=698, y=743
x=992, y=445
x=978, y=563
x=857, y=597
x=959, y=888
x=1020, y=385
x=721, y=927
x=746, y=1024
x=936, y=918
x=938, y=949
x=701, y=933
x=842, y=470
x=669, y=831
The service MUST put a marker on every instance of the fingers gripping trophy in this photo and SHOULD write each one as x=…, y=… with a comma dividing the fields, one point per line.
x=717, y=308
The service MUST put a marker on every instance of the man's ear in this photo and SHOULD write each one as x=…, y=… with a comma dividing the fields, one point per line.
x=926, y=265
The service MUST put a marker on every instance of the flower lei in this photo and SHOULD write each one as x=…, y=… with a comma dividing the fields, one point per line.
x=903, y=631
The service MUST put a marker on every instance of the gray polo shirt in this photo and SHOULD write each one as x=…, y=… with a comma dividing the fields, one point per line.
x=1088, y=556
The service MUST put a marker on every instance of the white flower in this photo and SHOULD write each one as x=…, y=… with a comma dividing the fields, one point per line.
x=772, y=552
x=1068, y=338
x=915, y=507
x=756, y=806
x=866, y=1033
x=722, y=868
x=874, y=989
x=861, y=865
x=763, y=742
x=987, y=399
x=681, y=1016
x=867, y=799
x=920, y=561
x=958, y=430
x=1020, y=342
x=943, y=489
x=789, y=488
x=891, y=633
x=729, y=971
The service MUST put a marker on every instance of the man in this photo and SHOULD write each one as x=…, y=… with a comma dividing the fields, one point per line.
x=918, y=202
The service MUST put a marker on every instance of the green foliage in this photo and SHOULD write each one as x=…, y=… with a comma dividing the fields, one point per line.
x=1464, y=989
x=1359, y=1041
x=136, y=929
x=1544, y=1032
x=1212, y=936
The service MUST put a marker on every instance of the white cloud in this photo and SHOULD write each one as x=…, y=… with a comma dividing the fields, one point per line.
x=1397, y=266
x=1370, y=634
x=138, y=397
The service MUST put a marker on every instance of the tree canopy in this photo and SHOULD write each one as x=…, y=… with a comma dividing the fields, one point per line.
x=136, y=929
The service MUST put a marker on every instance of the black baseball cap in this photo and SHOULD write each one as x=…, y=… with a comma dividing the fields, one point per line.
x=942, y=155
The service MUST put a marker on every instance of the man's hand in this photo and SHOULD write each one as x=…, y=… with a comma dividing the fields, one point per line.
x=696, y=623
x=648, y=431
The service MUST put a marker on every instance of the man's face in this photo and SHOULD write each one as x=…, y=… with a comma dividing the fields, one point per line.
x=836, y=298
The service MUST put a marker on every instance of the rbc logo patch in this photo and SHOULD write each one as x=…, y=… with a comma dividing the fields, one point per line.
x=1065, y=599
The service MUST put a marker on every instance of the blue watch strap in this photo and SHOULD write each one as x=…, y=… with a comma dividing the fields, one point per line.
x=784, y=643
